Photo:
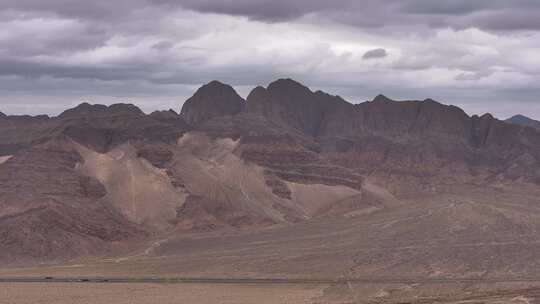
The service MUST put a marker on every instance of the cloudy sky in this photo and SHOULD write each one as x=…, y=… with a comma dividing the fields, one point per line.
x=482, y=55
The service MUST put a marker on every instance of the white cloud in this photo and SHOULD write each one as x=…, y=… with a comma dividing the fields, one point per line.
x=158, y=51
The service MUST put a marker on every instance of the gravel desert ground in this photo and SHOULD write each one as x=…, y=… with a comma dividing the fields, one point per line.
x=89, y=293
x=153, y=293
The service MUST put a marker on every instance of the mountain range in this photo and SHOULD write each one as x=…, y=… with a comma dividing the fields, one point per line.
x=524, y=121
x=97, y=179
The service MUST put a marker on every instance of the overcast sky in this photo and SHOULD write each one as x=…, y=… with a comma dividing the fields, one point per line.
x=482, y=55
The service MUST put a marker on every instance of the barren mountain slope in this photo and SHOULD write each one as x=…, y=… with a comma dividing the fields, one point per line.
x=48, y=211
x=146, y=173
x=112, y=175
x=52, y=206
x=422, y=144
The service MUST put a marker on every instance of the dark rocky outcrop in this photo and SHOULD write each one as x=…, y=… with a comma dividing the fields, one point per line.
x=205, y=214
x=50, y=230
x=169, y=116
x=396, y=119
x=289, y=103
x=88, y=111
x=49, y=211
x=300, y=135
x=157, y=155
x=103, y=128
x=278, y=187
x=214, y=99
x=419, y=140
x=285, y=152
x=408, y=138
x=98, y=127
x=19, y=132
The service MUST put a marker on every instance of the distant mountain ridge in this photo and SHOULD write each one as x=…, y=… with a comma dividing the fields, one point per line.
x=384, y=137
x=523, y=120
x=286, y=154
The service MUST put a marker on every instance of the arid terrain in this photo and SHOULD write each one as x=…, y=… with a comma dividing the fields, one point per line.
x=299, y=196
x=152, y=293
x=370, y=263
x=30, y=293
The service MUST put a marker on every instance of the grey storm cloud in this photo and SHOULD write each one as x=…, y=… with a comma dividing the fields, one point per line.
x=486, y=14
x=375, y=53
x=162, y=49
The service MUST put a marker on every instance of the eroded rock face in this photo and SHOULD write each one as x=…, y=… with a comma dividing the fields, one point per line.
x=278, y=186
x=42, y=187
x=157, y=155
x=49, y=211
x=96, y=126
x=47, y=229
x=285, y=152
x=205, y=214
x=289, y=103
x=212, y=100
x=19, y=132
x=170, y=117
x=396, y=119
x=301, y=134
x=103, y=128
x=44, y=171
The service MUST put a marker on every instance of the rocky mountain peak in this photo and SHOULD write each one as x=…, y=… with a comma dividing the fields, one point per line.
x=25, y=118
x=125, y=108
x=288, y=86
x=257, y=92
x=170, y=117
x=487, y=116
x=519, y=117
x=86, y=110
x=381, y=98
x=214, y=99
x=292, y=104
x=259, y=101
x=170, y=114
x=523, y=120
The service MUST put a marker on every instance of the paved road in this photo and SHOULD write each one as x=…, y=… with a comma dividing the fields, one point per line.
x=263, y=281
